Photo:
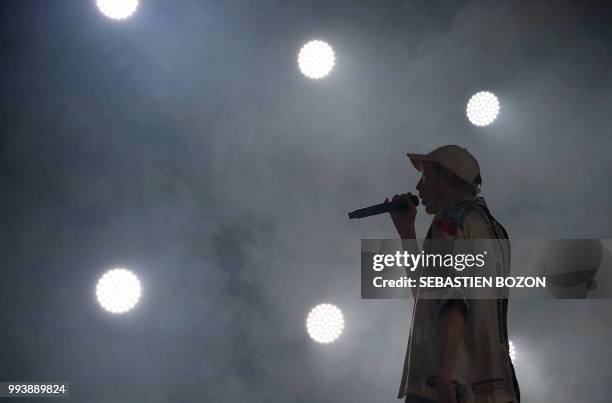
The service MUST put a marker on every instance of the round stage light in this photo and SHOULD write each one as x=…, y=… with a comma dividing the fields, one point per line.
x=316, y=59
x=118, y=290
x=512, y=351
x=325, y=323
x=117, y=9
x=483, y=108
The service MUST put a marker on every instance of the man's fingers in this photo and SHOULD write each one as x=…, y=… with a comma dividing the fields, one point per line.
x=404, y=198
x=407, y=201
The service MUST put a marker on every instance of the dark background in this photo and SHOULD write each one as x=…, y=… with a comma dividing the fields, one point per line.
x=184, y=144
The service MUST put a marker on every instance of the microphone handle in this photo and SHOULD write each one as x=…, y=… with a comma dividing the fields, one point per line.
x=381, y=208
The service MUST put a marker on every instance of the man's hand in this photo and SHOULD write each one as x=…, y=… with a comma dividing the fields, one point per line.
x=446, y=391
x=403, y=219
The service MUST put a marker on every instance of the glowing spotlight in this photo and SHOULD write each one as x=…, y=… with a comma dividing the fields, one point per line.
x=512, y=351
x=118, y=290
x=316, y=59
x=117, y=9
x=325, y=323
x=483, y=108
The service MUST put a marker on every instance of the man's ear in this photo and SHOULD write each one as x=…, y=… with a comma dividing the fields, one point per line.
x=445, y=176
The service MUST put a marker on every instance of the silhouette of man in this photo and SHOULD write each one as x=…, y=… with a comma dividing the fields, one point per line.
x=458, y=347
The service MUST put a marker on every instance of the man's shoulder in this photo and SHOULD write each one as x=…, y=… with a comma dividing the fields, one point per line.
x=463, y=218
x=459, y=211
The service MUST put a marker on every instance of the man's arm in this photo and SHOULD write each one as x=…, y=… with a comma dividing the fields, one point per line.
x=450, y=336
x=403, y=219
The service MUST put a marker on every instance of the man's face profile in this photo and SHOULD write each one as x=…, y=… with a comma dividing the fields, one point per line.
x=430, y=188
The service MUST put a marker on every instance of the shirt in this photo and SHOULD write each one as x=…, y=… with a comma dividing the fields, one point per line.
x=483, y=371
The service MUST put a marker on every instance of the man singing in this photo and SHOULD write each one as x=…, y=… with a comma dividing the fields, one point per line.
x=458, y=347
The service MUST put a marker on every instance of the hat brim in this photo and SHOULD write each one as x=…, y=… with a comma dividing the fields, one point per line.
x=418, y=159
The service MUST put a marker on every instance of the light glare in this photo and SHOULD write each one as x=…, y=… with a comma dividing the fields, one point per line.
x=483, y=108
x=118, y=290
x=512, y=351
x=117, y=9
x=316, y=59
x=325, y=323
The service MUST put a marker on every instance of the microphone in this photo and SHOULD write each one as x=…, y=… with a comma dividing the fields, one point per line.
x=382, y=208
